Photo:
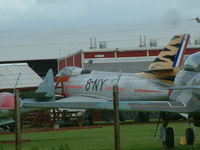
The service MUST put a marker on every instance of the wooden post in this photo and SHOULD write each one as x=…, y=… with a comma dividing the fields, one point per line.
x=17, y=121
x=116, y=117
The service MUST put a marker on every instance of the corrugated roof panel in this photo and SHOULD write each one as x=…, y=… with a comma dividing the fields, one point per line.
x=10, y=73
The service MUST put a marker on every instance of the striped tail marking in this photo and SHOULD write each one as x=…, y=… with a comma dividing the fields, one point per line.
x=172, y=55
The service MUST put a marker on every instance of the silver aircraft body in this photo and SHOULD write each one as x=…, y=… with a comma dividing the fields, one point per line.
x=148, y=89
x=131, y=86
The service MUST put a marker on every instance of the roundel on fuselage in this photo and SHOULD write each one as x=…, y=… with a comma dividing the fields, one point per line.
x=193, y=63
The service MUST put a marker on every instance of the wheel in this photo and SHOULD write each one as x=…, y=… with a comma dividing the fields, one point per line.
x=169, y=138
x=189, y=136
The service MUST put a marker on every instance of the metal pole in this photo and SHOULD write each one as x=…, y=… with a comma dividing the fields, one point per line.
x=17, y=122
x=116, y=117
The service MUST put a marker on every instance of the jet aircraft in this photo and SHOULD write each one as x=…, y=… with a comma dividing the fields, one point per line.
x=144, y=91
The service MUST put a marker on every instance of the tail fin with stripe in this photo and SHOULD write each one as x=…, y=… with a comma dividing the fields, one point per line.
x=172, y=55
x=167, y=63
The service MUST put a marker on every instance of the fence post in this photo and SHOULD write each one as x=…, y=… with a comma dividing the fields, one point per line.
x=116, y=117
x=17, y=121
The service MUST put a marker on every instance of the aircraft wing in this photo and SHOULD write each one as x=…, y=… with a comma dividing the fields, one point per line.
x=83, y=102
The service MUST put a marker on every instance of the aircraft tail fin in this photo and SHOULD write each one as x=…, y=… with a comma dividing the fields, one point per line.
x=47, y=85
x=45, y=91
x=168, y=62
x=172, y=55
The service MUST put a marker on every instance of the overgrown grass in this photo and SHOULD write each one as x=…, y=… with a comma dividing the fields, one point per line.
x=133, y=137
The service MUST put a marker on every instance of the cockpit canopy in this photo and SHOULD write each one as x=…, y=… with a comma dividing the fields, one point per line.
x=72, y=71
x=193, y=63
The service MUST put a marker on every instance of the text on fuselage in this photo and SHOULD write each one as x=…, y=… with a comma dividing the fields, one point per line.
x=95, y=84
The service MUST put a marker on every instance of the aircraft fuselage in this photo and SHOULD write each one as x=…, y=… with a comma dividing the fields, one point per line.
x=131, y=86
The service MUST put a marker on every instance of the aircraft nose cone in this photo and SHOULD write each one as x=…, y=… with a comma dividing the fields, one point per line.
x=7, y=101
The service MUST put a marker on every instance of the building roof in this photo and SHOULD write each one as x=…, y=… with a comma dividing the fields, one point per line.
x=19, y=76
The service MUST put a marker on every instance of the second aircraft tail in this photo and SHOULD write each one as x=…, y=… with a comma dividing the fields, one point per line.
x=168, y=62
x=172, y=55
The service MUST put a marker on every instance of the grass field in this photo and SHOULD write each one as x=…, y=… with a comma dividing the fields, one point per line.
x=133, y=137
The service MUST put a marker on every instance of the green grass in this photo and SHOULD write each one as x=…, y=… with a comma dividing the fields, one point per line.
x=133, y=137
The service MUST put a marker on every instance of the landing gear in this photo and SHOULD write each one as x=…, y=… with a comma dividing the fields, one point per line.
x=169, y=141
x=189, y=136
x=166, y=133
x=167, y=138
x=189, y=132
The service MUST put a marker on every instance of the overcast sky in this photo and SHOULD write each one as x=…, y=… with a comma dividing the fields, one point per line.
x=45, y=28
x=53, y=14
